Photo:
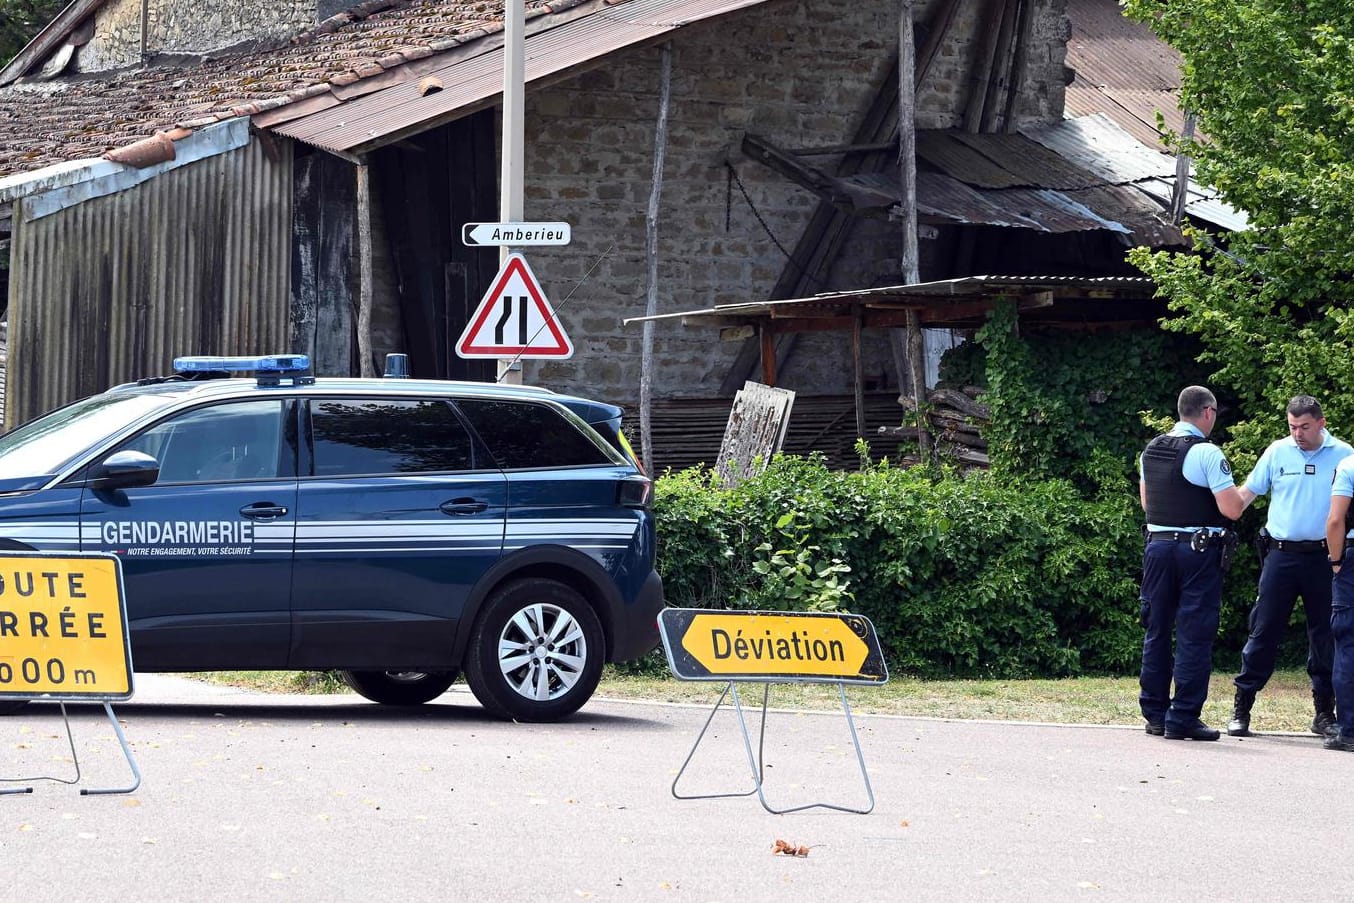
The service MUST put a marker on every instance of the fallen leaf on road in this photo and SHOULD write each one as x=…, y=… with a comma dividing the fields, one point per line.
x=789, y=849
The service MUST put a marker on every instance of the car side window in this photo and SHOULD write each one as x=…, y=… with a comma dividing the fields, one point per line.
x=218, y=443
x=362, y=436
x=521, y=434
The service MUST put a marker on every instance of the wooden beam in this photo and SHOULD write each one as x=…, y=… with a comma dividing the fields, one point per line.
x=858, y=372
x=366, y=366
x=768, y=355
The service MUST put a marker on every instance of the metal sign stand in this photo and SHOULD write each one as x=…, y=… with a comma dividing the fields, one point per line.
x=758, y=764
x=75, y=759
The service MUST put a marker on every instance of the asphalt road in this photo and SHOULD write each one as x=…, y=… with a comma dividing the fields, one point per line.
x=264, y=798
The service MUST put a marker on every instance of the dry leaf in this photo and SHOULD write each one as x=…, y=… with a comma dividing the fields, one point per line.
x=789, y=849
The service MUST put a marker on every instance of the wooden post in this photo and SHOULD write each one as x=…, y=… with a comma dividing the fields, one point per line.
x=768, y=337
x=365, y=365
x=907, y=176
x=991, y=16
x=858, y=371
x=1180, y=196
x=651, y=256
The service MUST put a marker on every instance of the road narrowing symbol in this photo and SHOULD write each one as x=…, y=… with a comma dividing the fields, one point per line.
x=63, y=628
x=514, y=319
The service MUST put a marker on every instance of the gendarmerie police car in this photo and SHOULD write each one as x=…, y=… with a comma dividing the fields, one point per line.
x=399, y=530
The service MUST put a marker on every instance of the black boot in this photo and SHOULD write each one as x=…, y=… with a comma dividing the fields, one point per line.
x=1240, y=725
x=1324, y=703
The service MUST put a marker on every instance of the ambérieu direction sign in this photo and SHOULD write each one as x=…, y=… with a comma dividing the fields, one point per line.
x=514, y=235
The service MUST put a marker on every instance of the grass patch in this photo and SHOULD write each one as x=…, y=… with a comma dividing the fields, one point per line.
x=1285, y=704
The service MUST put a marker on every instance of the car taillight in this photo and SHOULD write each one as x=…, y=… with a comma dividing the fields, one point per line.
x=634, y=492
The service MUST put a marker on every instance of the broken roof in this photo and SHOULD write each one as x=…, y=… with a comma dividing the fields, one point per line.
x=1074, y=176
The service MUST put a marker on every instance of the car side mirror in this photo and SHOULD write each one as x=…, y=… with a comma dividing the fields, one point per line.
x=123, y=470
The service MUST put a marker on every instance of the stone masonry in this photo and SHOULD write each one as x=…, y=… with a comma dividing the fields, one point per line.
x=798, y=72
x=187, y=27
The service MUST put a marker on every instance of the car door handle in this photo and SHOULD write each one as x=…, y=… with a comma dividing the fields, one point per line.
x=463, y=506
x=263, y=511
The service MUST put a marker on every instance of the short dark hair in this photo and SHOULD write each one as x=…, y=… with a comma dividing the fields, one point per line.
x=1304, y=405
x=1193, y=400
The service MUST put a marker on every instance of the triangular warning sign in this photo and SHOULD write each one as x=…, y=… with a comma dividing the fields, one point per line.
x=514, y=319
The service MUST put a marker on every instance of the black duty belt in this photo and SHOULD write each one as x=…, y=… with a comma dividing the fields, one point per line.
x=1178, y=536
x=1299, y=545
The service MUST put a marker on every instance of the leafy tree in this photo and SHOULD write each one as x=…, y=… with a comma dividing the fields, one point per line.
x=1272, y=85
x=20, y=20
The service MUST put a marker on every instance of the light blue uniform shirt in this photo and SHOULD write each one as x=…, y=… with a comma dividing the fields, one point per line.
x=1344, y=480
x=1205, y=465
x=1299, y=484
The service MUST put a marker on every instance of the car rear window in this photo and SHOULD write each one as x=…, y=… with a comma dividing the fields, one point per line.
x=362, y=436
x=523, y=435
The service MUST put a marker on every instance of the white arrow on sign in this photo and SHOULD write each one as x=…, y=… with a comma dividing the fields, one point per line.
x=513, y=235
x=514, y=319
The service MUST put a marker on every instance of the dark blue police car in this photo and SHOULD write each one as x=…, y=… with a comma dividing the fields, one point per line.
x=400, y=531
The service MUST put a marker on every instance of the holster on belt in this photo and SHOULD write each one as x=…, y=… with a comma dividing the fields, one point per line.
x=1230, y=540
x=1262, y=542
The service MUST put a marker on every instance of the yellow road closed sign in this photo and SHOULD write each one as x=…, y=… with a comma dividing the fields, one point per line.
x=704, y=644
x=63, y=628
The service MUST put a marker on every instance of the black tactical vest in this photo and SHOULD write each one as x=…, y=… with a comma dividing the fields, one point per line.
x=1172, y=500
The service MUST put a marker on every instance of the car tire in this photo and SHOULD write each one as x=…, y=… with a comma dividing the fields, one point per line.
x=399, y=687
x=535, y=652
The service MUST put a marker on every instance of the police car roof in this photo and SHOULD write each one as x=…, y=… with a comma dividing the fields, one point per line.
x=240, y=387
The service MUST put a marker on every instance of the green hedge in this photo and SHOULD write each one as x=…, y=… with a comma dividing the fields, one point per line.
x=962, y=576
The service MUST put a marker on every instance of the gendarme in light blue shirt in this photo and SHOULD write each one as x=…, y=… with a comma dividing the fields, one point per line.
x=1299, y=485
x=1205, y=465
x=1344, y=479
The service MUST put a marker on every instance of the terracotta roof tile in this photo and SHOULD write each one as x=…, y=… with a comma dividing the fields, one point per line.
x=73, y=118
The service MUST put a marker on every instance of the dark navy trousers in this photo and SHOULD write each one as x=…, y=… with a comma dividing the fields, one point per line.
x=1181, y=594
x=1342, y=631
x=1285, y=576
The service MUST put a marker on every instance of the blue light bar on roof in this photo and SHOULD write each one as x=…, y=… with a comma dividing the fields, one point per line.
x=268, y=363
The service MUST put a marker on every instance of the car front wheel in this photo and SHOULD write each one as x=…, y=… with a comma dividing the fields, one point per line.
x=536, y=651
x=399, y=687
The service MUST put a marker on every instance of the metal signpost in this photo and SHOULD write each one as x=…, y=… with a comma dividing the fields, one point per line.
x=771, y=647
x=64, y=638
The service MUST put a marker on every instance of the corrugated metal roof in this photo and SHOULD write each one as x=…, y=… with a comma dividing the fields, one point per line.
x=1097, y=145
x=1044, y=210
x=1133, y=72
x=1069, y=177
x=1033, y=166
x=1201, y=203
x=1082, y=99
x=469, y=83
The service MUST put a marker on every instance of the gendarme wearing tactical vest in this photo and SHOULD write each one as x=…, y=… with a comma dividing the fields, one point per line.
x=1190, y=498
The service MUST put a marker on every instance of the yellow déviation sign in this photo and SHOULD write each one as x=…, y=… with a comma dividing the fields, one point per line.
x=775, y=646
x=63, y=628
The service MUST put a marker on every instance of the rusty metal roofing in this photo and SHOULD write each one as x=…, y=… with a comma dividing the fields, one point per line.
x=1123, y=70
x=399, y=107
x=1099, y=146
x=946, y=199
x=1076, y=175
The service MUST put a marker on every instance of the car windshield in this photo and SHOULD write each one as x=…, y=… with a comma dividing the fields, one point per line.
x=51, y=442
